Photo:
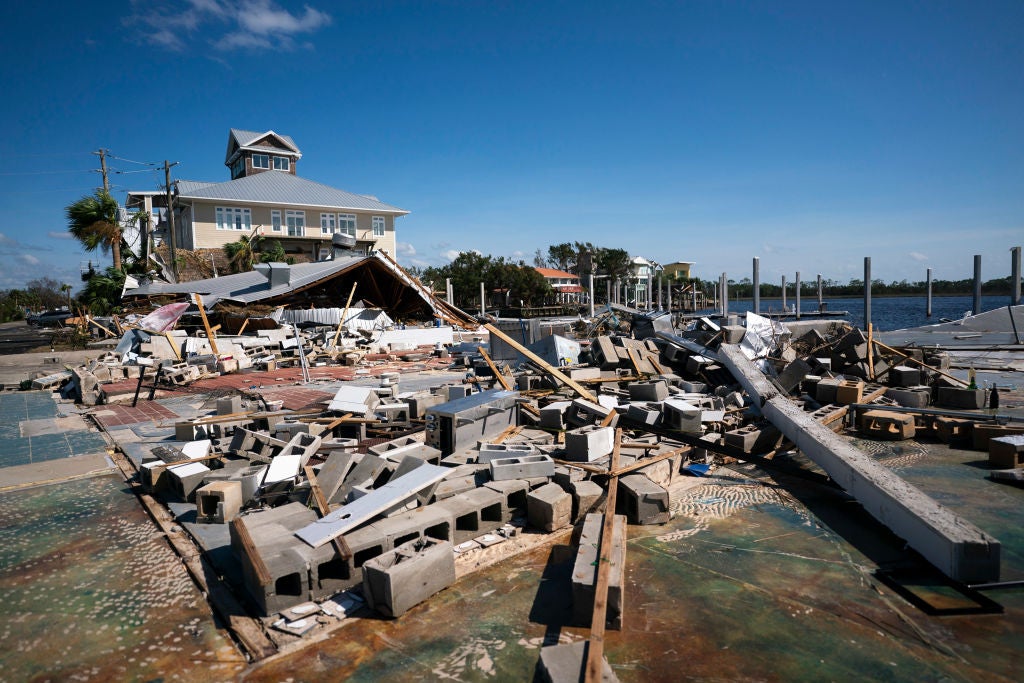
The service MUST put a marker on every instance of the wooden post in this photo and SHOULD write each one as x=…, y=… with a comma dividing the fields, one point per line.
x=206, y=324
x=174, y=345
x=344, y=314
x=322, y=506
x=595, y=651
x=871, y=356
x=550, y=369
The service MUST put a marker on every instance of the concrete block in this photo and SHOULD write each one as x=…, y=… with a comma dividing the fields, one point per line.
x=793, y=374
x=229, y=405
x=952, y=429
x=849, y=391
x=549, y=507
x=588, y=444
x=968, y=399
x=910, y=397
x=983, y=433
x=693, y=387
x=585, y=496
x=642, y=501
x=886, y=424
x=185, y=479
x=400, y=579
x=1006, y=452
x=522, y=468
x=552, y=415
x=682, y=415
x=514, y=492
x=498, y=451
x=584, y=573
x=754, y=438
x=827, y=389
x=582, y=412
x=644, y=413
x=218, y=502
x=655, y=390
x=567, y=663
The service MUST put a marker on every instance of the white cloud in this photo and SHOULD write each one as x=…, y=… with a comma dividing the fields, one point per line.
x=226, y=24
x=4, y=239
x=60, y=235
x=30, y=259
x=518, y=254
x=405, y=249
x=451, y=254
x=918, y=256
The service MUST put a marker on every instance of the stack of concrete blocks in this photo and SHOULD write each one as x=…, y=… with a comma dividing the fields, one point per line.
x=524, y=467
x=180, y=373
x=904, y=376
x=682, y=416
x=397, y=581
x=464, y=477
x=332, y=473
x=983, y=433
x=593, y=550
x=1006, y=452
x=184, y=479
x=285, y=467
x=218, y=502
x=549, y=508
x=461, y=423
x=793, y=374
x=642, y=501
x=588, y=444
x=420, y=401
x=257, y=446
x=369, y=472
x=84, y=388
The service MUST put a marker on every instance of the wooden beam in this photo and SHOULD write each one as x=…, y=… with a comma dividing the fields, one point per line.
x=263, y=576
x=323, y=507
x=547, y=367
x=595, y=651
x=507, y=433
x=206, y=324
x=634, y=361
x=871, y=357
x=494, y=368
x=242, y=328
x=174, y=345
x=89, y=319
x=842, y=412
x=344, y=314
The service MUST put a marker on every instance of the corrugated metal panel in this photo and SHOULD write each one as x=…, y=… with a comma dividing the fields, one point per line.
x=358, y=318
x=278, y=187
x=252, y=286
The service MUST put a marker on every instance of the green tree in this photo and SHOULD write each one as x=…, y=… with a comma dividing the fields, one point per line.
x=102, y=293
x=93, y=221
x=243, y=253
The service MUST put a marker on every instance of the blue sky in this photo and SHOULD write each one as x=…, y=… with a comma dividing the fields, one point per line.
x=809, y=134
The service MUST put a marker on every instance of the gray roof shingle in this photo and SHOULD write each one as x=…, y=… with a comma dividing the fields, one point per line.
x=279, y=187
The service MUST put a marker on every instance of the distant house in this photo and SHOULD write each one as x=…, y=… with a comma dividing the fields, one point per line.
x=566, y=285
x=266, y=195
x=679, y=270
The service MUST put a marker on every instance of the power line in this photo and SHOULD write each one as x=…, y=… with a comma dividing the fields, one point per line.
x=140, y=163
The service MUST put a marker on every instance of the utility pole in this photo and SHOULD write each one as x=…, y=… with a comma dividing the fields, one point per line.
x=102, y=154
x=170, y=218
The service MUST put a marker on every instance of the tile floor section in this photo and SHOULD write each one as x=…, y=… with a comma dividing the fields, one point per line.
x=20, y=446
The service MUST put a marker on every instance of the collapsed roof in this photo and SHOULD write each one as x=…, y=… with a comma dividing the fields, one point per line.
x=382, y=283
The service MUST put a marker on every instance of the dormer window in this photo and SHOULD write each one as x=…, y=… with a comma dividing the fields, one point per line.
x=282, y=164
x=261, y=161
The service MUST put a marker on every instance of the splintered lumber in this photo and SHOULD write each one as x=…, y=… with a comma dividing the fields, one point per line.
x=174, y=345
x=543, y=364
x=595, y=651
x=206, y=325
x=507, y=433
x=494, y=368
x=923, y=365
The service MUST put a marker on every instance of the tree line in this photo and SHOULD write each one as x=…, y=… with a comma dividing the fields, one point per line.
x=744, y=288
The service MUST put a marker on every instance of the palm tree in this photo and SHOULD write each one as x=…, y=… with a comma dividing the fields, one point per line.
x=93, y=221
x=243, y=253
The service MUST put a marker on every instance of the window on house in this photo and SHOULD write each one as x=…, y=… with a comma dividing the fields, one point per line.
x=296, y=221
x=261, y=161
x=233, y=218
x=327, y=223
x=378, y=226
x=275, y=220
x=347, y=224
x=237, y=167
x=282, y=163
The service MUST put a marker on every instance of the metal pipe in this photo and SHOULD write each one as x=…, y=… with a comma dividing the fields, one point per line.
x=938, y=412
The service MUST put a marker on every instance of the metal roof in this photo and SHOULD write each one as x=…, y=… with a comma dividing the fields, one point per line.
x=252, y=286
x=279, y=187
x=246, y=138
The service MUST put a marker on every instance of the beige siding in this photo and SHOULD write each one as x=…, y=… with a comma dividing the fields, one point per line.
x=207, y=235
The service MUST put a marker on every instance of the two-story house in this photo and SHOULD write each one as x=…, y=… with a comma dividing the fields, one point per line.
x=266, y=195
x=566, y=285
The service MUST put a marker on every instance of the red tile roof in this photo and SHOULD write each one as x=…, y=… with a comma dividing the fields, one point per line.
x=551, y=272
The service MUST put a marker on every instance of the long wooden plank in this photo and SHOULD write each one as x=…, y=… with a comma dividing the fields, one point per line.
x=341, y=322
x=595, y=650
x=206, y=324
x=547, y=367
x=494, y=368
x=249, y=548
x=923, y=365
x=507, y=433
